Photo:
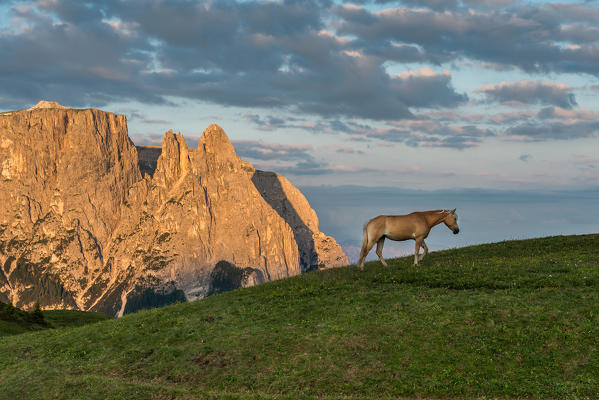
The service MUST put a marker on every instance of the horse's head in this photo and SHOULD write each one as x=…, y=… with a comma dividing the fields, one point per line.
x=451, y=221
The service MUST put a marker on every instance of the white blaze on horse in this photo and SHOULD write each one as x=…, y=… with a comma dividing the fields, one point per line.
x=415, y=226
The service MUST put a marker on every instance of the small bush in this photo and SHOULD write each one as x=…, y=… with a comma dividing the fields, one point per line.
x=8, y=312
x=37, y=315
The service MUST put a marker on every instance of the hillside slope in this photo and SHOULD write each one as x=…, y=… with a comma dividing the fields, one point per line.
x=14, y=321
x=516, y=319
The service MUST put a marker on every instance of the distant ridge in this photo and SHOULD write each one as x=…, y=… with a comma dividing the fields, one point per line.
x=47, y=104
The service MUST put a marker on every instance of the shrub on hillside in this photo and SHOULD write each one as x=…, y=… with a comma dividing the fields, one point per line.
x=37, y=315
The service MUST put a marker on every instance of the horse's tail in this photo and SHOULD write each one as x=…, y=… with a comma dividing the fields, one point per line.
x=364, y=244
x=365, y=234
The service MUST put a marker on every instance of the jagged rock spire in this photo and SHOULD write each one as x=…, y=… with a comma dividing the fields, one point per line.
x=214, y=140
x=174, y=159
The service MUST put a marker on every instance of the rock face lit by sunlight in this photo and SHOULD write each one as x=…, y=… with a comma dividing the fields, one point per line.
x=79, y=216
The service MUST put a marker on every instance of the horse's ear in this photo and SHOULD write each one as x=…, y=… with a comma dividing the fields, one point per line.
x=453, y=211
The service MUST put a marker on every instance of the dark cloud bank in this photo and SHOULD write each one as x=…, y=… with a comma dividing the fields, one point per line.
x=531, y=92
x=300, y=57
x=233, y=53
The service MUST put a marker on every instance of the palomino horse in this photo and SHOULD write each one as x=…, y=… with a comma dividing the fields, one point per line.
x=416, y=226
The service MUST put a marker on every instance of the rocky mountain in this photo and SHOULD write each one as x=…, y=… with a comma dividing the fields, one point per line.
x=81, y=228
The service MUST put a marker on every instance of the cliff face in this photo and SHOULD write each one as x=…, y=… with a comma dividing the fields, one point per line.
x=80, y=228
x=316, y=249
x=64, y=176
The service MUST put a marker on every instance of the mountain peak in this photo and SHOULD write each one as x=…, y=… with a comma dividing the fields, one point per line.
x=215, y=140
x=116, y=242
x=46, y=104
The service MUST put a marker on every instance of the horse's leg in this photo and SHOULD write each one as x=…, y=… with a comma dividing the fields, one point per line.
x=417, y=249
x=365, y=250
x=379, y=250
x=425, y=251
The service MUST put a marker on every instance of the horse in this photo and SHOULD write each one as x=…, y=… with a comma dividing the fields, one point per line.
x=415, y=226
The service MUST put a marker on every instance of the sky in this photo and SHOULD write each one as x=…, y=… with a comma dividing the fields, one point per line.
x=419, y=95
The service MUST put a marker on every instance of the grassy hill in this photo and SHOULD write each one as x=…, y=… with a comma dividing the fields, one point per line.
x=517, y=319
x=14, y=321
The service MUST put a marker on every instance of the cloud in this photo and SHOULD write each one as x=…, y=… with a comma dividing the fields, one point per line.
x=531, y=92
x=553, y=123
x=258, y=150
x=347, y=150
x=434, y=129
x=273, y=123
x=324, y=168
x=398, y=52
x=553, y=130
x=248, y=54
x=532, y=37
x=433, y=4
x=78, y=64
x=269, y=123
x=525, y=157
x=547, y=123
x=306, y=168
x=567, y=114
x=430, y=133
x=451, y=142
x=70, y=11
x=427, y=88
x=155, y=121
x=510, y=117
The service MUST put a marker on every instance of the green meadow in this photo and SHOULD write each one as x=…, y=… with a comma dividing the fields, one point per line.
x=509, y=320
x=14, y=321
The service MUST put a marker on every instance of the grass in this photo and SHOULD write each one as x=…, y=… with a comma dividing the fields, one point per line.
x=59, y=319
x=511, y=320
x=14, y=321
